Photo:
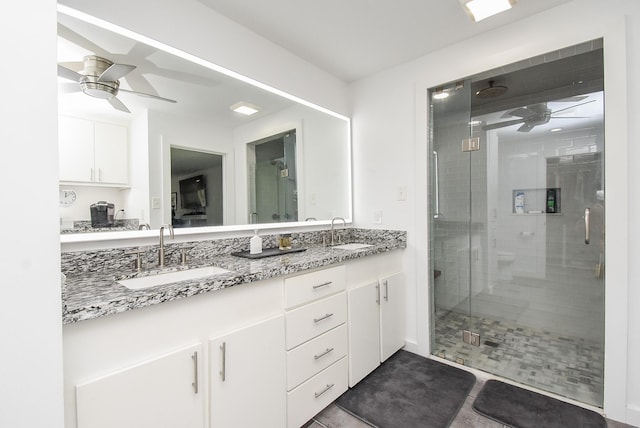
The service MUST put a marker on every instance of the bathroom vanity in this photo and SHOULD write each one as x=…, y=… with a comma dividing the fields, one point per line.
x=265, y=343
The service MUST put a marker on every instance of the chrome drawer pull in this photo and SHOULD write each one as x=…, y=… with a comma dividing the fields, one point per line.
x=194, y=357
x=317, y=320
x=223, y=371
x=317, y=357
x=318, y=394
x=324, y=284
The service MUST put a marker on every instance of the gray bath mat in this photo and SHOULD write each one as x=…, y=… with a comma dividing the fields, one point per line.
x=521, y=408
x=408, y=390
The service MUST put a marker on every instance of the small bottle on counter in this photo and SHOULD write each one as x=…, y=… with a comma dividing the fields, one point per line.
x=255, y=244
x=285, y=241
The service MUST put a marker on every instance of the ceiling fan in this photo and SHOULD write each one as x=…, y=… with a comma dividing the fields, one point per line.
x=99, y=78
x=531, y=116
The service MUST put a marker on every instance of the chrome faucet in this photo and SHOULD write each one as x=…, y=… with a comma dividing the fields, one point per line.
x=344, y=224
x=161, y=251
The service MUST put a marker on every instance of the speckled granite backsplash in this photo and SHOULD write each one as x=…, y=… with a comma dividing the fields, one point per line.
x=123, y=259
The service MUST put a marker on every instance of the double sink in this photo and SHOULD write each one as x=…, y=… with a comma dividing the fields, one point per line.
x=142, y=282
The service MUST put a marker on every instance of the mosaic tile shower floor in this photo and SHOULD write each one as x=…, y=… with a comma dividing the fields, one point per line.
x=570, y=367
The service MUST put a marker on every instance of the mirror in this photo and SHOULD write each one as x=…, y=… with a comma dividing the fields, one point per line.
x=171, y=111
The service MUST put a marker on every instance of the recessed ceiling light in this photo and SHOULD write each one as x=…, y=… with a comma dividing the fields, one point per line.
x=440, y=94
x=481, y=9
x=475, y=122
x=245, y=108
x=555, y=130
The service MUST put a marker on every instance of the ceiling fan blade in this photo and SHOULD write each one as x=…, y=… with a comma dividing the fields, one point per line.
x=115, y=72
x=573, y=106
x=526, y=127
x=520, y=112
x=569, y=117
x=142, y=94
x=118, y=105
x=574, y=99
x=66, y=73
x=497, y=125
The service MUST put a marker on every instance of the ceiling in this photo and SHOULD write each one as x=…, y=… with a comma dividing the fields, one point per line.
x=352, y=39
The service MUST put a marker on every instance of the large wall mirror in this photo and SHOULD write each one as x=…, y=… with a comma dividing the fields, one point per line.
x=149, y=136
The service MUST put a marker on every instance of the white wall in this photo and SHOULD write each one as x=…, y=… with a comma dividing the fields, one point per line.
x=30, y=327
x=390, y=129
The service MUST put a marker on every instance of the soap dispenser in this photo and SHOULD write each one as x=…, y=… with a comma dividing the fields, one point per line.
x=255, y=244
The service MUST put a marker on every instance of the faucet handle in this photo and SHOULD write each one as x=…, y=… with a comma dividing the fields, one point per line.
x=183, y=255
x=138, y=260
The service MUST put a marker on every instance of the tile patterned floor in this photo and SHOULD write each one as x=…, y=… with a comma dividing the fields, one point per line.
x=570, y=367
x=334, y=417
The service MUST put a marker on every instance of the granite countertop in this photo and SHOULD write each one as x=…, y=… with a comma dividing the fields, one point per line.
x=90, y=295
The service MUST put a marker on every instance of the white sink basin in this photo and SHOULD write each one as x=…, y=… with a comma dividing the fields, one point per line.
x=353, y=246
x=167, y=278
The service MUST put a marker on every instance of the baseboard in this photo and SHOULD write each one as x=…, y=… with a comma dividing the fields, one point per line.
x=413, y=348
x=633, y=415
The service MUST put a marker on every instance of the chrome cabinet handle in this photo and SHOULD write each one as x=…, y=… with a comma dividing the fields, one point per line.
x=194, y=357
x=328, y=387
x=324, y=284
x=317, y=357
x=378, y=293
x=223, y=370
x=386, y=291
x=436, y=185
x=317, y=320
x=587, y=225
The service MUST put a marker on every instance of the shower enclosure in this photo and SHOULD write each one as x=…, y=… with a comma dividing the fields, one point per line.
x=272, y=169
x=517, y=222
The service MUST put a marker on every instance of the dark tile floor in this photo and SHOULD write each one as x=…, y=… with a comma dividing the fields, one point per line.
x=334, y=417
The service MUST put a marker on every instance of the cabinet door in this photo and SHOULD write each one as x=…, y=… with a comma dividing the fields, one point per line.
x=156, y=393
x=248, y=374
x=75, y=141
x=112, y=153
x=392, y=315
x=364, y=331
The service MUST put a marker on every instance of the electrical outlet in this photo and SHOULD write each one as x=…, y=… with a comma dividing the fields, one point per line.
x=155, y=203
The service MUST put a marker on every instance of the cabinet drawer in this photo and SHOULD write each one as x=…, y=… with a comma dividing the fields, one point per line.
x=308, y=287
x=308, y=399
x=315, y=355
x=312, y=320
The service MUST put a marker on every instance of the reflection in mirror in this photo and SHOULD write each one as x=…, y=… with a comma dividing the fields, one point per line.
x=196, y=182
x=124, y=156
x=272, y=179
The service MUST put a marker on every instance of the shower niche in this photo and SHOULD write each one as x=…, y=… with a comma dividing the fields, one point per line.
x=536, y=201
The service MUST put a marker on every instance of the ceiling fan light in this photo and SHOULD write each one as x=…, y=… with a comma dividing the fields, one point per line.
x=245, y=108
x=481, y=9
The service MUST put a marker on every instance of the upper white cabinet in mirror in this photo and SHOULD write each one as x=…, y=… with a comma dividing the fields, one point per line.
x=128, y=112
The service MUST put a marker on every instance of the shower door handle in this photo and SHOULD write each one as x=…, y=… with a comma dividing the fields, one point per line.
x=436, y=185
x=587, y=225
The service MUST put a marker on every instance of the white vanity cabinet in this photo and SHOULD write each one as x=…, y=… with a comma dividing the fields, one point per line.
x=376, y=319
x=316, y=342
x=247, y=376
x=93, y=152
x=164, y=391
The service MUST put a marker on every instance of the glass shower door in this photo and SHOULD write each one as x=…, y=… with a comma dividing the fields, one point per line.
x=517, y=241
x=453, y=236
